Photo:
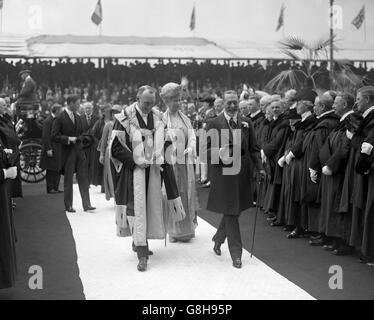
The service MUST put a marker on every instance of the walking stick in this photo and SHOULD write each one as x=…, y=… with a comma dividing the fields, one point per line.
x=254, y=225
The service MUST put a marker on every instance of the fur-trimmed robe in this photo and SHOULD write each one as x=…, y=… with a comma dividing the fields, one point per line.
x=140, y=212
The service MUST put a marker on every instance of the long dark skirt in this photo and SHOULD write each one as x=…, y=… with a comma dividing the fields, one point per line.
x=8, y=264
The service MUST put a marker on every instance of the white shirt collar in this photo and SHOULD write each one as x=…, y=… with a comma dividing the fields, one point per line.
x=235, y=117
x=70, y=113
x=345, y=115
x=323, y=114
x=366, y=113
x=255, y=113
x=305, y=115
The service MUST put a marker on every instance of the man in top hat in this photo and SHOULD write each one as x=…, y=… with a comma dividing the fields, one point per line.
x=27, y=95
x=231, y=176
x=67, y=129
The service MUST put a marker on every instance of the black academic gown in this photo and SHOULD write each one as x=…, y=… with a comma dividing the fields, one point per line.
x=8, y=265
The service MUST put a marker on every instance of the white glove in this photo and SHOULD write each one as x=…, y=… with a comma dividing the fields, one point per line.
x=366, y=148
x=72, y=140
x=313, y=175
x=289, y=157
x=188, y=151
x=326, y=171
x=263, y=156
x=10, y=173
x=282, y=161
x=349, y=134
x=8, y=151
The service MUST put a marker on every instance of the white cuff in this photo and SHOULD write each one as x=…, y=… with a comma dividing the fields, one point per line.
x=5, y=175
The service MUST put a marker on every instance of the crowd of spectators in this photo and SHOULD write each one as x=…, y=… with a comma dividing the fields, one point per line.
x=117, y=83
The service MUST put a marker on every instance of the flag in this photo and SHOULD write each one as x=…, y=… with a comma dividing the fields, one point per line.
x=1, y=4
x=360, y=18
x=192, y=22
x=97, y=15
x=281, y=18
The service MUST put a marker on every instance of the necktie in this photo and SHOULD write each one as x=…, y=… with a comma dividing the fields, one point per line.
x=88, y=119
x=71, y=115
x=232, y=123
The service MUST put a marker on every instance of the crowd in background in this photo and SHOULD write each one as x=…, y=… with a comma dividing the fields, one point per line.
x=117, y=83
x=313, y=147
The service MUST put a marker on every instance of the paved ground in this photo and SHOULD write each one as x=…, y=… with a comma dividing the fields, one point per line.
x=81, y=258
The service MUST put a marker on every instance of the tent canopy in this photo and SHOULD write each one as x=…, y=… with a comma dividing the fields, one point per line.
x=72, y=46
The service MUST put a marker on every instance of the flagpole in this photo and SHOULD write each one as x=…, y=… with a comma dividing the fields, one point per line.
x=331, y=42
x=364, y=25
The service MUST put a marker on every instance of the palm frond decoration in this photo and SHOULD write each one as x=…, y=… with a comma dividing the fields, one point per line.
x=291, y=54
x=293, y=43
x=287, y=79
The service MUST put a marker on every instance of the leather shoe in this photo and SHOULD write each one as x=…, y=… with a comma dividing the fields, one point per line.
x=237, y=263
x=150, y=253
x=276, y=224
x=217, y=249
x=296, y=233
x=142, y=265
x=52, y=191
x=288, y=228
x=71, y=210
x=89, y=208
x=317, y=242
x=343, y=250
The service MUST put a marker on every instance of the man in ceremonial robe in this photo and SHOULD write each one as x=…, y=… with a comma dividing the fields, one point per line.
x=363, y=194
x=333, y=157
x=137, y=160
x=295, y=158
x=271, y=151
x=327, y=120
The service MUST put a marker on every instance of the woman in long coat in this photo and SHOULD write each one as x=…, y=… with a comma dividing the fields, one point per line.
x=183, y=138
x=7, y=232
x=105, y=152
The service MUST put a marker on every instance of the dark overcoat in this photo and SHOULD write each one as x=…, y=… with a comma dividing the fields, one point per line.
x=46, y=162
x=62, y=129
x=232, y=194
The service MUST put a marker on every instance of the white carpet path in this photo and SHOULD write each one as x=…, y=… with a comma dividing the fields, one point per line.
x=180, y=271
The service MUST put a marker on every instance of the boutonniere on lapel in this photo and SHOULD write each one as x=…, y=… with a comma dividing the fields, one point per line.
x=245, y=124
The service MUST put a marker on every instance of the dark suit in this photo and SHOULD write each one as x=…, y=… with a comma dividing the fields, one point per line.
x=72, y=158
x=231, y=194
x=51, y=164
x=91, y=153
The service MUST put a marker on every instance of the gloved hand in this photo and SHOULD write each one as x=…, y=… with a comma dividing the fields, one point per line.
x=263, y=156
x=101, y=159
x=289, y=157
x=8, y=151
x=10, y=173
x=50, y=153
x=326, y=171
x=282, y=161
x=366, y=148
x=188, y=151
x=313, y=175
x=349, y=134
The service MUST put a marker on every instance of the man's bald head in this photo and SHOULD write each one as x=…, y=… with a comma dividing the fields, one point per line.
x=146, y=98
